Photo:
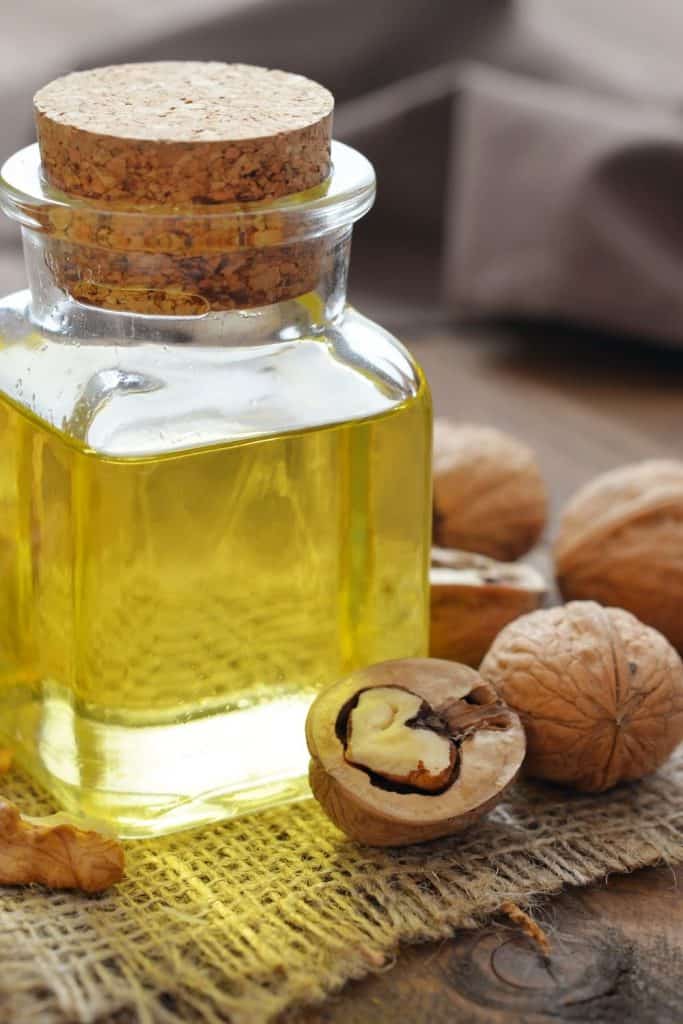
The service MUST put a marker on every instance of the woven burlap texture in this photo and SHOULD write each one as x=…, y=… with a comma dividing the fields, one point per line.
x=238, y=922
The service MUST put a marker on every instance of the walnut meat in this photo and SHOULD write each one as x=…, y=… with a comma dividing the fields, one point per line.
x=600, y=694
x=620, y=542
x=489, y=496
x=56, y=852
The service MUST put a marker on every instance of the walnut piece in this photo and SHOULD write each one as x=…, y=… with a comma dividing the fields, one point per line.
x=56, y=853
x=409, y=750
x=620, y=542
x=380, y=739
x=489, y=496
x=600, y=693
x=472, y=598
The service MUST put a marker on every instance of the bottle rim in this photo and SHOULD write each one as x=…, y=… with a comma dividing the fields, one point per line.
x=342, y=199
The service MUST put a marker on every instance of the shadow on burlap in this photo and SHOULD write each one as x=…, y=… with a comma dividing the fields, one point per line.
x=239, y=922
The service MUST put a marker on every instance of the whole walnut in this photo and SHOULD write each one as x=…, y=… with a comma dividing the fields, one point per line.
x=599, y=693
x=489, y=496
x=620, y=542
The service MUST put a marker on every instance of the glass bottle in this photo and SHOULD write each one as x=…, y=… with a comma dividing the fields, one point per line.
x=205, y=515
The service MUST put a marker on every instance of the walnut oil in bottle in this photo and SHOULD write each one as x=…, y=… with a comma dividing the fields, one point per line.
x=214, y=475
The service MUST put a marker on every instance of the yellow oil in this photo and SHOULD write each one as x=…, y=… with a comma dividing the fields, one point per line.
x=165, y=619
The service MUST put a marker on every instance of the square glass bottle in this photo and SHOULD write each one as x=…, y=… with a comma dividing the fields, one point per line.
x=214, y=474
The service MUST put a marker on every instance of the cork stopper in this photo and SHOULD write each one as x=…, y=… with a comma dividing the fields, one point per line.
x=181, y=132
x=188, y=185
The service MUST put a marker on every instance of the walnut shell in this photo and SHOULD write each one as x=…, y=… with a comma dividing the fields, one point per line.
x=600, y=694
x=487, y=738
x=489, y=496
x=620, y=542
x=472, y=598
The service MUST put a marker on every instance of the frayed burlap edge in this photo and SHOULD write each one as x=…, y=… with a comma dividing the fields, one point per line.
x=240, y=922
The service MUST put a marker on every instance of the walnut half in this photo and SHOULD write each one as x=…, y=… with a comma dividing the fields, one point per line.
x=472, y=598
x=410, y=750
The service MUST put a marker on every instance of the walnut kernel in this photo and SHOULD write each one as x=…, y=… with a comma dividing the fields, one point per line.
x=56, y=852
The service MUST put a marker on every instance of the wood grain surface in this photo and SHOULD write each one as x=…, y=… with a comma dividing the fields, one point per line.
x=617, y=958
x=586, y=403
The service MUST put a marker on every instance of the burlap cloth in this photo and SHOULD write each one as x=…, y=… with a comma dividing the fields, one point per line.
x=239, y=922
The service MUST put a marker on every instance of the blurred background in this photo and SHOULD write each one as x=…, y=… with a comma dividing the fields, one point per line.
x=529, y=153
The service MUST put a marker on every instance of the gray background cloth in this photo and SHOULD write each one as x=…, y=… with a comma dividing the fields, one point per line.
x=529, y=154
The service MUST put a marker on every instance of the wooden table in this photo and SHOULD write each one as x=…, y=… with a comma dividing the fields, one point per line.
x=586, y=403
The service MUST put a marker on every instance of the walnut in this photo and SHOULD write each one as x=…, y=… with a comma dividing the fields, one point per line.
x=620, y=542
x=410, y=750
x=600, y=693
x=489, y=496
x=472, y=598
x=56, y=853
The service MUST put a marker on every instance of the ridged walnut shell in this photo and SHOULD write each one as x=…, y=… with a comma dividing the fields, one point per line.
x=489, y=496
x=472, y=598
x=600, y=693
x=489, y=755
x=620, y=542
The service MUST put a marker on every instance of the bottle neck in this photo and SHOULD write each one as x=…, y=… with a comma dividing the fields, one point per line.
x=66, y=318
